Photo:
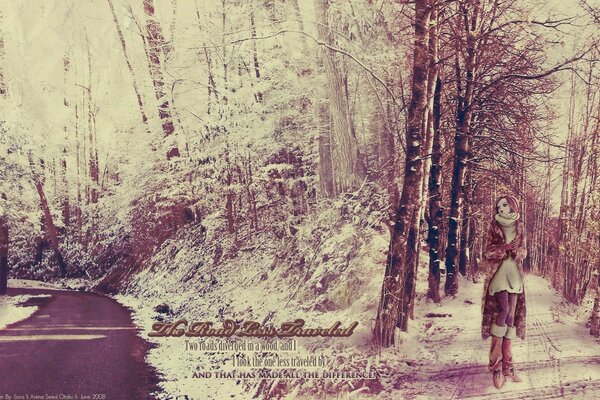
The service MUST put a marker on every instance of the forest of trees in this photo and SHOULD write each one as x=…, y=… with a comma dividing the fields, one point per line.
x=126, y=122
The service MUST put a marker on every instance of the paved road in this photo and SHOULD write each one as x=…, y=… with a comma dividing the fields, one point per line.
x=75, y=344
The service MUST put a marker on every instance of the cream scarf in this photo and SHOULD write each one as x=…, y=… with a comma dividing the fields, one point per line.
x=507, y=220
x=508, y=225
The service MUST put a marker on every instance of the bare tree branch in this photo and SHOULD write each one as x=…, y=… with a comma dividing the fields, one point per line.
x=320, y=43
x=565, y=65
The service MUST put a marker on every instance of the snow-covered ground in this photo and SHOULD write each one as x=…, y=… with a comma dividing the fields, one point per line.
x=558, y=358
x=11, y=308
x=30, y=284
x=260, y=293
x=11, y=311
x=439, y=358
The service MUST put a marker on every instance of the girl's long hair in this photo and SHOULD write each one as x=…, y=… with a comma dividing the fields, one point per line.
x=496, y=235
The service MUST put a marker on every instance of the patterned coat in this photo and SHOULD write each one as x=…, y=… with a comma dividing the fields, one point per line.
x=494, y=254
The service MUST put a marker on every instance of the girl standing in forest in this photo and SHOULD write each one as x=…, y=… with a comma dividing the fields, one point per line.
x=504, y=293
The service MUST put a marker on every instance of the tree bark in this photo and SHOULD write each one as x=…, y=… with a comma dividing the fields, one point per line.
x=3, y=86
x=258, y=95
x=129, y=67
x=66, y=207
x=326, y=185
x=346, y=158
x=465, y=226
x=48, y=221
x=435, y=201
x=94, y=167
x=51, y=229
x=461, y=144
x=431, y=167
x=211, y=84
x=225, y=96
x=595, y=315
x=300, y=23
x=3, y=254
x=398, y=283
x=78, y=211
x=156, y=42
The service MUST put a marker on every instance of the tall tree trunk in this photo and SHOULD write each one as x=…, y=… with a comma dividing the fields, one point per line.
x=389, y=157
x=428, y=121
x=544, y=220
x=3, y=87
x=435, y=201
x=78, y=167
x=464, y=255
x=224, y=58
x=325, y=163
x=431, y=172
x=398, y=283
x=595, y=315
x=171, y=42
x=129, y=67
x=3, y=254
x=66, y=207
x=211, y=84
x=156, y=42
x=566, y=170
x=258, y=95
x=300, y=22
x=325, y=128
x=461, y=144
x=346, y=157
x=84, y=147
x=51, y=229
x=48, y=220
x=93, y=156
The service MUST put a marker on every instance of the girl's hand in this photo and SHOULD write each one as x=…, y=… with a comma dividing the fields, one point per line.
x=511, y=246
x=519, y=258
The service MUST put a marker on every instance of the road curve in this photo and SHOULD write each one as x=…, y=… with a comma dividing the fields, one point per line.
x=75, y=346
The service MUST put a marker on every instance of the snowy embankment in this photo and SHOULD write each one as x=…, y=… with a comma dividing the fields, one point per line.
x=440, y=357
x=11, y=311
x=322, y=275
x=11, y=307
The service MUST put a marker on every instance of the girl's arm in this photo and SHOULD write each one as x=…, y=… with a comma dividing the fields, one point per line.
x=521, y=252
x=494, y=251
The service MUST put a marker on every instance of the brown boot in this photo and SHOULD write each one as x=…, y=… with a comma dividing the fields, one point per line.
x=498, y=378
x=495, y=353
x=508, y=369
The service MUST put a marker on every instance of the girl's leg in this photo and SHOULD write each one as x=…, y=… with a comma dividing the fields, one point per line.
x=512, y=304
x=498, y=330
x=507, y=359
x=502, y=298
